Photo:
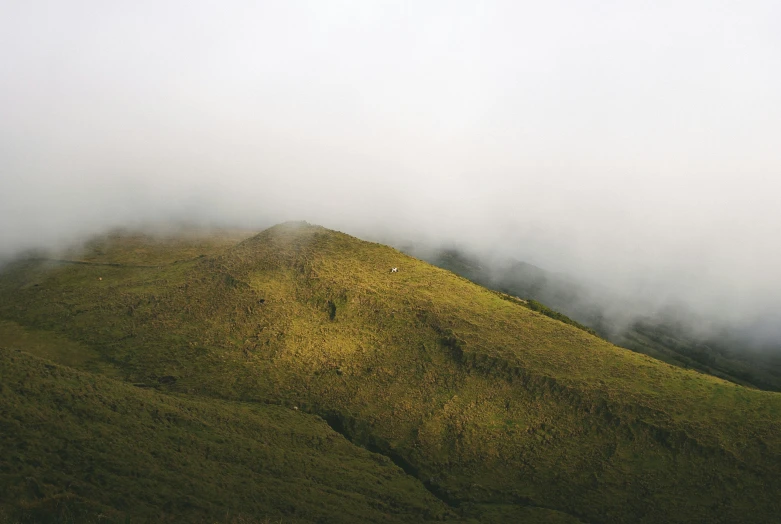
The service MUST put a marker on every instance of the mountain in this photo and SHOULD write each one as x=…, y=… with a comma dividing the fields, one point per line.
x=459, y=402
x=671, y=335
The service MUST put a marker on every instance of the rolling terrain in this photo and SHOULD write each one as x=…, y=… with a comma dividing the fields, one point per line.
x=76, y=446
x=456, y=402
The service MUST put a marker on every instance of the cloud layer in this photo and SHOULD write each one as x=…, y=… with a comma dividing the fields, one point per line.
x=634, y=145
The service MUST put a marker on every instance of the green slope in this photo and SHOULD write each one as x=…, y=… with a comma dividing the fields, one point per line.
x=726, y=354
x=498, y=409
x=76, y=446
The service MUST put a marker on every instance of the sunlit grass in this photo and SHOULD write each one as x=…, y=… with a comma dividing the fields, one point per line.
x=491, y=404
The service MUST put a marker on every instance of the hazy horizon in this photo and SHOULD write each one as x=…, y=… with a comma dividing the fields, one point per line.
x=632, y=145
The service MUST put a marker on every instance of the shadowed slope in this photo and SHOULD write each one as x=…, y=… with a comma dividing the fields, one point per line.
x=492, y=405
x=75, y=446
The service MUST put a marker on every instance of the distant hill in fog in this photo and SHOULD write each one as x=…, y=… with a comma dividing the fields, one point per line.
x=674, y=334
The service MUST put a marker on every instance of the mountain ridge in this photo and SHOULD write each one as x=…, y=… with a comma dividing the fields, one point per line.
x=671, y=334
x=495, y=406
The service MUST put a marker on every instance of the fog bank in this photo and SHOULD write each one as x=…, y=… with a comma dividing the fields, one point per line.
x=634, y=146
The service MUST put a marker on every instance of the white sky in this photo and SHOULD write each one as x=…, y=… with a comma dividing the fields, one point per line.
x=634, y=143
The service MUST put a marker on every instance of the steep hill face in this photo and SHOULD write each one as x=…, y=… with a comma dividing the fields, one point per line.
x=503, y=413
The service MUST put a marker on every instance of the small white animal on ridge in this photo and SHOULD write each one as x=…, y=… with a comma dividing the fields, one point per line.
x=395, y=270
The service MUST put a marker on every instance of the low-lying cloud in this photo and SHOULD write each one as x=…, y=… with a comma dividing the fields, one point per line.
x=633, y=146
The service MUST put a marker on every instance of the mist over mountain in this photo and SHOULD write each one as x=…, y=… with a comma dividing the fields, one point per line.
x=605, y=308
x=634, y=148
x=291, y=375
x=670, y=332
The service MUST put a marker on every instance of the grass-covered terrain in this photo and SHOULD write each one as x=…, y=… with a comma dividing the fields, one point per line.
x=665, y=336
x=498, y=412
x=76, y=446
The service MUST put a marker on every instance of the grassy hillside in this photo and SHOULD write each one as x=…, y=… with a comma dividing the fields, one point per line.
x=76, y=446
x=502, y=412
x=726, y=354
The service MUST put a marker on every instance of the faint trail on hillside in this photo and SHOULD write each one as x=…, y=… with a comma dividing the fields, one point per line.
x=102, y=264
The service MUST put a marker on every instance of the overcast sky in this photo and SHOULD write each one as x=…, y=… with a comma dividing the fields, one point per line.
x=634, y=143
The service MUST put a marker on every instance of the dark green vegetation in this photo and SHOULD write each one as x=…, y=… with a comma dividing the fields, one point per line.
x=494, y=411
x=725, y=354
x=76, y=445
